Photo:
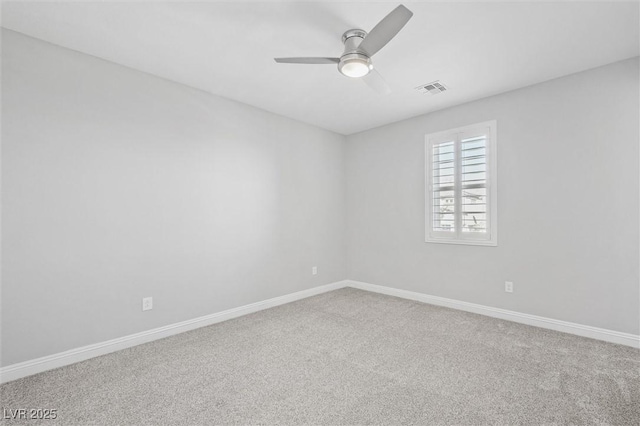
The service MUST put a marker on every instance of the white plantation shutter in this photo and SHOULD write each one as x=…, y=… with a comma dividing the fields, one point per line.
x=443, y=187
x=460, y=179
x=473, y=186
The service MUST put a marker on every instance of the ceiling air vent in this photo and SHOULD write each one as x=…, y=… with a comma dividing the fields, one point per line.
x=433, y=88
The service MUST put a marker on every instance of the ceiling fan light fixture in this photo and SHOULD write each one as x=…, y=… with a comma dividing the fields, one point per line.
x=355, y=65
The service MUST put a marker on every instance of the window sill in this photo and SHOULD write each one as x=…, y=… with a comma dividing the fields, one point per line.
x=463, y=242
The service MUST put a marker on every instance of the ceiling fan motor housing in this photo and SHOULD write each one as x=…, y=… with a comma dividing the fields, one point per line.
x=354, y=62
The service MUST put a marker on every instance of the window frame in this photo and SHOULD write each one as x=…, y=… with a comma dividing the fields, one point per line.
x=488, y=128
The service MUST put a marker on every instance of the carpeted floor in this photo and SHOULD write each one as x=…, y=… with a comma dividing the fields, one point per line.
x=347, y=357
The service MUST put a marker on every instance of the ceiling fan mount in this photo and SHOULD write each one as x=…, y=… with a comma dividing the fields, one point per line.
x=360, y=46
x=353, y=33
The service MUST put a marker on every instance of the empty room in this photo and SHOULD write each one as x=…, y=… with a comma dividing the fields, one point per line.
x=320, y=213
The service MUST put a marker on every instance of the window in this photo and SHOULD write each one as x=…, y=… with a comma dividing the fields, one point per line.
x=461, y=195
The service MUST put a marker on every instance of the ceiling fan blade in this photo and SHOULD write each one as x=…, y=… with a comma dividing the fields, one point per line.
x=307, y=60
x=386, y=29
x=375, y=81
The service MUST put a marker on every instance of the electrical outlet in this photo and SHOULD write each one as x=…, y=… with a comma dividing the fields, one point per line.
x=147, y=303
x=508, y=286
x=314, y=270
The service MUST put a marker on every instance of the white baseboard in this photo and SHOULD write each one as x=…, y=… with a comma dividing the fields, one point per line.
x=627, y=339
x=27, y=368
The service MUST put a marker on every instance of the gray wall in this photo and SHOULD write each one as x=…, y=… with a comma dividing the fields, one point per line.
x=567, y=193
x=119, y=185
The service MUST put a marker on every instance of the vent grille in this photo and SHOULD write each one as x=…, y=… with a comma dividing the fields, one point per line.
x=432, y=88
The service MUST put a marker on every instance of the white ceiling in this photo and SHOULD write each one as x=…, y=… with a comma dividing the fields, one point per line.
x=227, y=48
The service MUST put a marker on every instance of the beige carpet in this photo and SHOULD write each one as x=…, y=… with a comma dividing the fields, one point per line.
x=347, y=357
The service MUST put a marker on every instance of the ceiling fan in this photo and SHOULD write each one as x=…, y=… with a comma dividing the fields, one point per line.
x=359, y=47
